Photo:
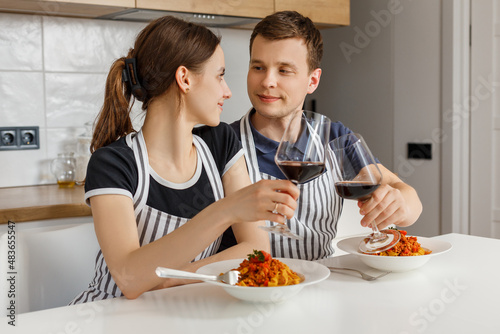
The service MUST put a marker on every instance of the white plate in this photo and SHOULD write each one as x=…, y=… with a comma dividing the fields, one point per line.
x=313, y=273
x=395, y=263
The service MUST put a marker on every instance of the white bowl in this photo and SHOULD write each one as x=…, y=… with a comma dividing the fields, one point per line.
x=395, y=263
x=313, y=273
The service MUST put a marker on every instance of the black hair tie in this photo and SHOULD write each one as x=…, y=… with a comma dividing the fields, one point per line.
x=129, y=75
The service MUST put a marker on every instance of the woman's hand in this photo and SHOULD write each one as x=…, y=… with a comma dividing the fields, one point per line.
x=264, y=200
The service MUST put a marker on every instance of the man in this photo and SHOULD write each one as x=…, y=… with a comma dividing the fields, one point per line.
x=285, y=54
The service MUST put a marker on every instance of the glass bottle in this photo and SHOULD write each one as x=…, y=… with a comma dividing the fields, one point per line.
x=64, y=169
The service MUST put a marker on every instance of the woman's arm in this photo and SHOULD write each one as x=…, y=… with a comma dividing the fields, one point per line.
x=250, y=203
x=248, y=235
x=133, y=267
x=394, y=202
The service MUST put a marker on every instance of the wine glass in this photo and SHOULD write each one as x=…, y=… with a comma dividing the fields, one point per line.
x=356, y=176
x=301, y=154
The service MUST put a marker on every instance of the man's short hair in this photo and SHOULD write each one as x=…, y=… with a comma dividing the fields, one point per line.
x=290, y=24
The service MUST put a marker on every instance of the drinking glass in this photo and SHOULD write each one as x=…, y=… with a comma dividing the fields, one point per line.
x=63, y=168
x=301, y=154
x=357, y=176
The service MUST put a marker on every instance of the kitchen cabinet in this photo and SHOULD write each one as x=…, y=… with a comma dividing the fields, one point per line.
x=322, y=12
x=254, y=8
x=67, y=8
x=325, y=13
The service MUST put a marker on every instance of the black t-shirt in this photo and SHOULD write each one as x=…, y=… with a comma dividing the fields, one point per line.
x=113, y=170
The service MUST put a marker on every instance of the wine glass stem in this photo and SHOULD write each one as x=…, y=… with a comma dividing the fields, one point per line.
x=377, y=236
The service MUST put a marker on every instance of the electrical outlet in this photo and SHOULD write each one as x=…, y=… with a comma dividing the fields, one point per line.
x=19, y=138
x=29, y=138
x=8, y=138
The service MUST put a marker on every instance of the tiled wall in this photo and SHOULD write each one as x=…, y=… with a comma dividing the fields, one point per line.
x=52, y=75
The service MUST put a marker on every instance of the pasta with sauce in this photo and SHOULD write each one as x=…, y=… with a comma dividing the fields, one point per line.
x=406, y=246
x=260, y=270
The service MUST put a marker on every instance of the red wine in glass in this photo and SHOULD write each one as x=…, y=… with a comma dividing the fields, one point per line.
x=355, y=189
x=301, y=171
x=357, y=176
x=301, y=154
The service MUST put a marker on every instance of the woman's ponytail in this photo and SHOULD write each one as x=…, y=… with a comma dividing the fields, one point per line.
x=113, y=121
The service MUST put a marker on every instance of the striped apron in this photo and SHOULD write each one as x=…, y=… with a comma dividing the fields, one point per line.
x=152, y=224
x=316, y=216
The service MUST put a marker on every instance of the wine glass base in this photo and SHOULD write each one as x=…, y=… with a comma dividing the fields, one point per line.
x=374, y=245
x=282, y=230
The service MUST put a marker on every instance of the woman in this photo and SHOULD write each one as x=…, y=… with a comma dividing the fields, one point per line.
x=163, y=196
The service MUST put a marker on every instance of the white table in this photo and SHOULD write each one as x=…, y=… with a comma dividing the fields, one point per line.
x=457, y=292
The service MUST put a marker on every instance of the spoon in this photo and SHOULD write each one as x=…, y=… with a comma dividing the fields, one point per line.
x=231, y=277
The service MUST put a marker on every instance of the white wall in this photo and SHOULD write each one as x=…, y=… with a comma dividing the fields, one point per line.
x=52, y=75
x=417, y=104
x=382, y=79
x=356, y=85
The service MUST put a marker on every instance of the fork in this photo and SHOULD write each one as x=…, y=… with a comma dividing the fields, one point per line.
x=364, y=276
x=231, y=277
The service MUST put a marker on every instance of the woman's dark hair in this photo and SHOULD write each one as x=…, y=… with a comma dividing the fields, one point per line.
x=159, y=50
x=290, y=24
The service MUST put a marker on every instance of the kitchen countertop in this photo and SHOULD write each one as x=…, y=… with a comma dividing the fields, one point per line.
x=31, y=203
